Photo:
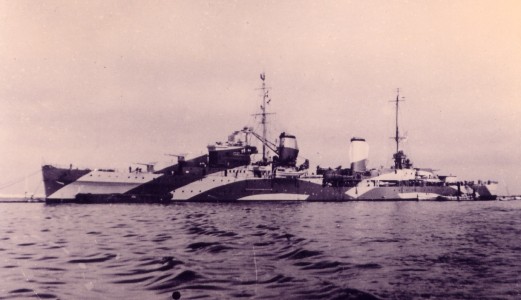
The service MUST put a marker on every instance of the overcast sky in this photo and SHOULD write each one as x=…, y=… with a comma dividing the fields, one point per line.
x=107, y=83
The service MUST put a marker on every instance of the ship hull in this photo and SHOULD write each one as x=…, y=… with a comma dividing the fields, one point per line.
x=303, y=190
x=55, y=178
x=62, y=185
x=192, y=181
x=233, y=185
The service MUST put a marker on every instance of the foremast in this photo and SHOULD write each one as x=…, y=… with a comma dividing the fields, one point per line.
x=264, y=119
x=286, y=153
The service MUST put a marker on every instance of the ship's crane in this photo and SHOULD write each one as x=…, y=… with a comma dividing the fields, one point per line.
x=265, y=142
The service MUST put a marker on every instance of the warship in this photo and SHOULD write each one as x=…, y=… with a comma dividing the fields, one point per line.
x=229, y=172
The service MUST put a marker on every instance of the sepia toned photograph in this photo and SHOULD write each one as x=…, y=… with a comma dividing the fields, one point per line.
x=260, y=149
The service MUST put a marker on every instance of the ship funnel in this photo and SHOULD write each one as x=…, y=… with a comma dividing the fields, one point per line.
x=288, y=149
x=359, y=154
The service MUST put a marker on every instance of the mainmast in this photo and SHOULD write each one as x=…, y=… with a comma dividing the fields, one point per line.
x=263, y=114
x=399, y=157
x=397, y=137
x=264, y=120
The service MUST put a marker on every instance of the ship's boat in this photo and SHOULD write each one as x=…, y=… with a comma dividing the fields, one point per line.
x=229, y=172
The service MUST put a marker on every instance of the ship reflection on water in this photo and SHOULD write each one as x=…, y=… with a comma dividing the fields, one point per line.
x=354, y=250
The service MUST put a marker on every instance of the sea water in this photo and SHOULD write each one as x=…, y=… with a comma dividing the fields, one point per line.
x=351, y=250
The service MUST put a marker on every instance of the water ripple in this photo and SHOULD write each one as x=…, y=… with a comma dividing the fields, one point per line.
x=262, y=251
x=93, y=260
